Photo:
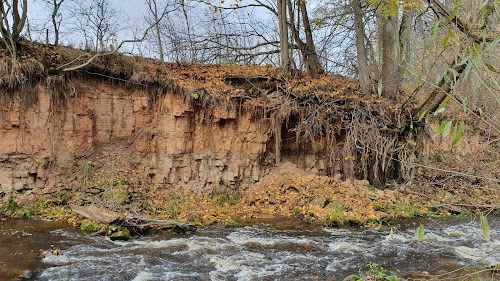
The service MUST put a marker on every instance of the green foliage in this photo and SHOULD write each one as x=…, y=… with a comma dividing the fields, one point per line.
x=88, y=225
x=442, y=105
x=377, y=273
x=62, y=198
x=26, y=213
x=485, y=227
x=12, y=206
x=116, y=196
x=120, y=233
x=407, y=211
x=458, y=133
x=432, y=32
x=419, y=233
x=86, y=167
x=443, y=129
x=454, y=11
x=446, y=39
x=336, y=214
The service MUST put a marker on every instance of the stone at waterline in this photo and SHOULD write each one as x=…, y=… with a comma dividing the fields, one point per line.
x=122, y=234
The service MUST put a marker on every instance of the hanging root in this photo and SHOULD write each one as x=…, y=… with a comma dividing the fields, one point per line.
x=378, y=145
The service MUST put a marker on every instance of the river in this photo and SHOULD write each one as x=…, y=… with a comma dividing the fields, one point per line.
x=284, y=250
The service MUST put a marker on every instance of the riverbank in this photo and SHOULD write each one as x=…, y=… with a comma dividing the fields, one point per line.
x=288, y=192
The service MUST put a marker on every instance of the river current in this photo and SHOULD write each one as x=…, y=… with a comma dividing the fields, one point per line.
x=286, y=250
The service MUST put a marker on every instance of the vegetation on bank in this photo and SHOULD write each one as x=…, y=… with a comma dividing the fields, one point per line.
x=313, y=199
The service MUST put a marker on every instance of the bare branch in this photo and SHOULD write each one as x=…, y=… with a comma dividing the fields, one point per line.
x=110, y=52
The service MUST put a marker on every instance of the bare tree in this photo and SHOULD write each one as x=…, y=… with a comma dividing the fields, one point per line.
x=56, y=17
x=156, y=14
x=98, y=21
x=11, y=32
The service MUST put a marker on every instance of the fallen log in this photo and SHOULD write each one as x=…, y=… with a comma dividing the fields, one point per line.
x=144, y=223
x=136, y=225
x=99, y=215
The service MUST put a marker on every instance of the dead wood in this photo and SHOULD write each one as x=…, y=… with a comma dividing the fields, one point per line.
x=138, y=224
x=99, y=215
x=143, y=223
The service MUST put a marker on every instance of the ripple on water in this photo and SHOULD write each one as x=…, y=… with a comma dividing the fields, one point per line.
x=254, y=253
x=248, y=237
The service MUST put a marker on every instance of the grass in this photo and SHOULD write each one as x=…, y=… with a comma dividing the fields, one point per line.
x=221, y=197
x=88, y=225
x=336, y=215
x=12, y=206
x=174, y=205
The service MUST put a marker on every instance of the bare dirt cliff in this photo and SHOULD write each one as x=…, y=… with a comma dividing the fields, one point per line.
x=164, y=142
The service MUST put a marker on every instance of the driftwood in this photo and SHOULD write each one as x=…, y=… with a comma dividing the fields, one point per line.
x=99, y=215
x=138, y=224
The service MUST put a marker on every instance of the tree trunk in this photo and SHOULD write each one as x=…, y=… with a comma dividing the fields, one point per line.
x=55, y=24
x=390, y=57
x=19, y=20
x=311, y=59
x=158, y=32
x=363, y=70
x=283, y=33
x=404, y=39
x=437, y=96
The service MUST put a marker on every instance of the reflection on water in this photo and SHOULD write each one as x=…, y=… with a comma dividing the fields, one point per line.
x=258, y=252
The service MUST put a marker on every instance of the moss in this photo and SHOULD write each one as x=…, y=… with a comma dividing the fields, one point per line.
x=88, y=225
x=121, y=233
x=408, y=211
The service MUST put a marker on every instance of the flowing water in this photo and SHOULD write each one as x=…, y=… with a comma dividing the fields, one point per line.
x=286, y=250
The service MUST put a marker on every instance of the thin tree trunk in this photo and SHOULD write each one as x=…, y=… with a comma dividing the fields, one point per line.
x=363, y=70
x=283, y=33
x=56, y=6
x=188, y=25
x=404, y=39
x=311, y=59
x=435, y=98
x=158, y=32
x=390, y=58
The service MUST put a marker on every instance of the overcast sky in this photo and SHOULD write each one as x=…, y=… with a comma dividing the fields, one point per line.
x=131, y=17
